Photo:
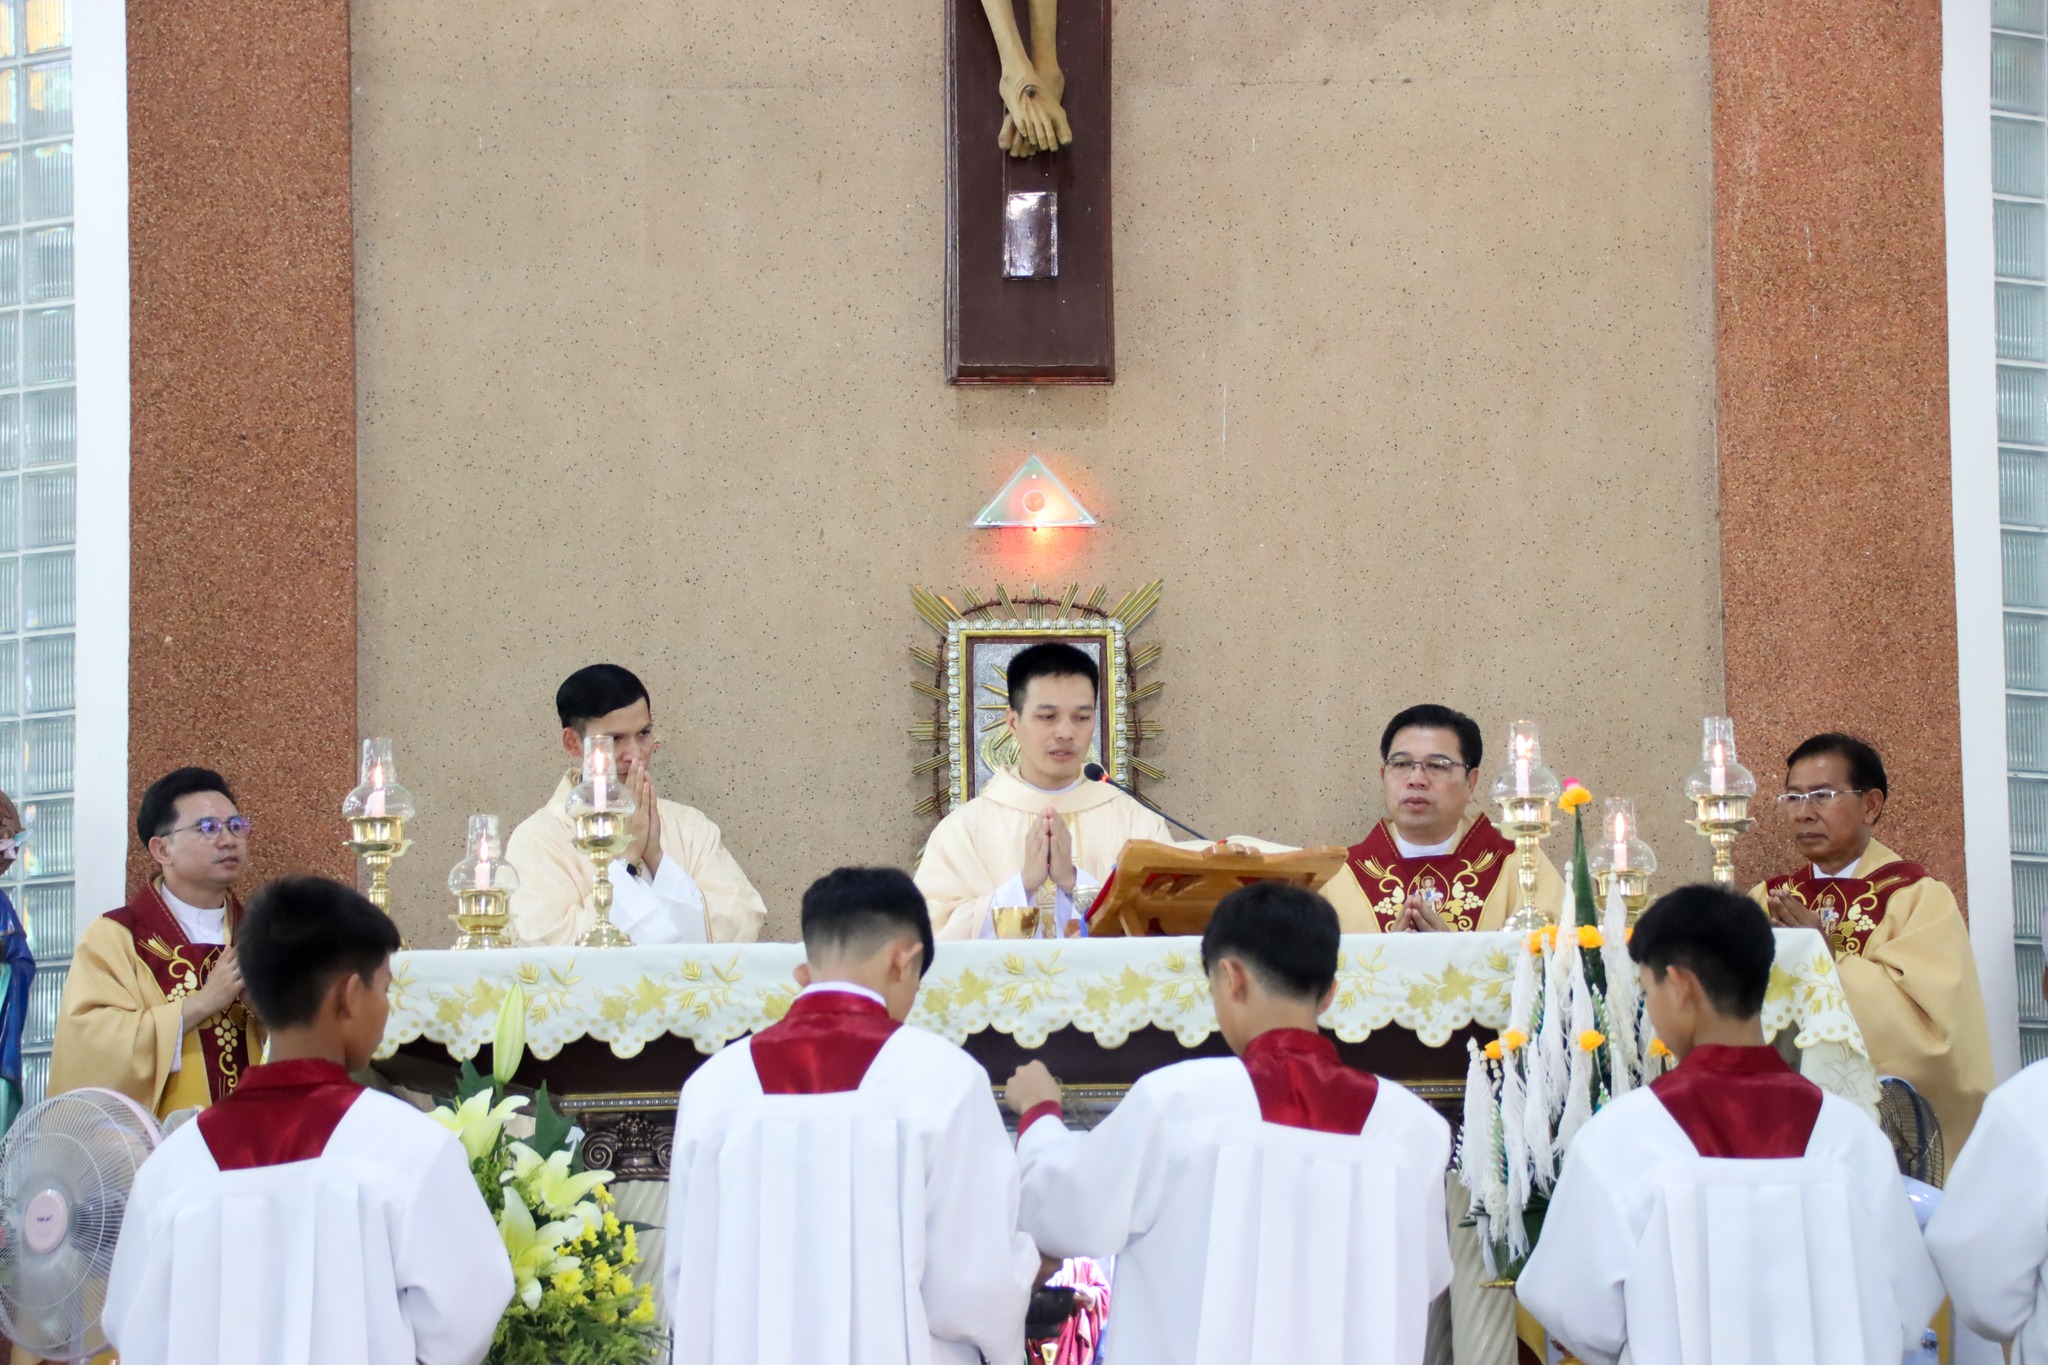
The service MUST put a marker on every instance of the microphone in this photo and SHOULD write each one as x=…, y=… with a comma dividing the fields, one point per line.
x=1095, y=772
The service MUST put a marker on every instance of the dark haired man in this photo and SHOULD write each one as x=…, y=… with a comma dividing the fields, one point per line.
x=1274, y=1205
x=1729, y=1210
x=675, y=883
x=347, y=1221
x=843, y=1187
x=153, y=1006
x=1038, y=833
x=1433, y=864
x=1899, y=939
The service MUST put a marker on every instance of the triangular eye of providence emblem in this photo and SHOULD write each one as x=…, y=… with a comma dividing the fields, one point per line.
x=1035, y=498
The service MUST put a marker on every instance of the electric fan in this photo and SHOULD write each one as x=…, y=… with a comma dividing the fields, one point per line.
x=1908, y=1120
x=66, y=1167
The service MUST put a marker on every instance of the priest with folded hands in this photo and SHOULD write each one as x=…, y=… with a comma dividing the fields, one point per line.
x=1433, y=863
x=1040, y=833
x=1276, y=1205
x=674, y=883
x=1900, y=943
x=1730, y=1210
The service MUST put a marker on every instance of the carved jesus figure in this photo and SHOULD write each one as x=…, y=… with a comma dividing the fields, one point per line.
x=1031, y=82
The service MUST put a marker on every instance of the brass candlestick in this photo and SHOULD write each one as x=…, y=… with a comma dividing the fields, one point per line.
x=1719, y=788
x=1526, y=820
x=376, y=811
x=377, y=840
x=1722, y=819
x=1619, y=859
x=1635, y=889
x=602, y=835
x=598, y=805
x=483, y=883
x=1525, y=791
x=482, y=917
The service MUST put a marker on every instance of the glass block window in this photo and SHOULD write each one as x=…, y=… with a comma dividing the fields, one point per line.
x=38, y=493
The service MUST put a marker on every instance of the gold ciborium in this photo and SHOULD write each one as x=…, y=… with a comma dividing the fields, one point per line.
x=483, y=883
x=1016, y=921
x=1525, y=791
x=1719, y=789
x=1619, y=859
x=599, y=806
x=376, y=812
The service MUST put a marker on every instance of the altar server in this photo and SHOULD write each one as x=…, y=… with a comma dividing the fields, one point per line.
x=1989, y=1238
x=153, y=1005
x=304, y=1218
x=1276, y=1206
x=1900, y=943
x=675, y=883
x=1730, y=1211
x=1433, y=863
x=842, y=1187
x=1039, y=824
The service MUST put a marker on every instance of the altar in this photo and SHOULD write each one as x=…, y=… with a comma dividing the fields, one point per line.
x=615, y=1032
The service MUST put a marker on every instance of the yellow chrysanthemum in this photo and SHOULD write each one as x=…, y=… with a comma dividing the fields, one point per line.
x=611, y=1224
x=1591, y=1039
x=643, y=1312
x=1493, y=1052
x=1657, y=1048
x=1589, y=936
x=1513, y=1039
x=1575, y=795
x=567, y=1281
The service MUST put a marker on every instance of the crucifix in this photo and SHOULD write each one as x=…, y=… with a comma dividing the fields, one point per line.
x=1028, y=280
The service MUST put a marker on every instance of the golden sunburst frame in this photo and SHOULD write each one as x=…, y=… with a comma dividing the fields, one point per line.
x=968, y=664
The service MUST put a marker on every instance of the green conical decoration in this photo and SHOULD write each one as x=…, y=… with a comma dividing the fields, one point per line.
x=1584, y=911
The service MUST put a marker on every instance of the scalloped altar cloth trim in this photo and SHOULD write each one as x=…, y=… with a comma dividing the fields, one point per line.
x=1428, y=984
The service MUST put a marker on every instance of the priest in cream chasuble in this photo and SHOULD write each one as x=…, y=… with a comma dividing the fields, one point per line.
x=1039, y=833
x=153, y=1005
x=1433, y=864
x=1900, y=942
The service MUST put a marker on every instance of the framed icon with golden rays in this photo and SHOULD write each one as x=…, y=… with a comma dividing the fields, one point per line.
x=969, y=694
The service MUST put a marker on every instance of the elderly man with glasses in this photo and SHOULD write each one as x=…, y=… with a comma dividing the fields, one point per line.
x=1899, y=940
x=153, y=1006
x=1433, y=864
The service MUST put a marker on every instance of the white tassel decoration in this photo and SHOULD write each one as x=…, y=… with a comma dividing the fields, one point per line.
x=1578, y=1105
x=1624, y=1057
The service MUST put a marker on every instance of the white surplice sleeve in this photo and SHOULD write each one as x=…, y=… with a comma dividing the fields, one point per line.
x=669, y=908
x=1573, y=1283
x=1091, y=1194
x=1989, y=1238
x=453, y=1275
x=979, y=1270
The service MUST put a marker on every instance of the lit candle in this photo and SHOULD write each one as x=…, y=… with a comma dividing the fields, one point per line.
x=483, y=872
x=1717, y=775
x=374, y=805
x=599, y=773
x=1523, y=745
x=1620, y=842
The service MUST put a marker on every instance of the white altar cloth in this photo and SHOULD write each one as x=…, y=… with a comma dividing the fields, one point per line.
x=1428, y=984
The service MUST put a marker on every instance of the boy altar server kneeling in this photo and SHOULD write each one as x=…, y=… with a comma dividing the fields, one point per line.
x=1276, y=1206
x=842, y=1186
x=1730, y=1211
x=303, y=1218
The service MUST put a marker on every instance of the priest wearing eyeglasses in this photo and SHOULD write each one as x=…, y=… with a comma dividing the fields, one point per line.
x=1433, y=863
x=1900, y=943
x=153, y=1006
